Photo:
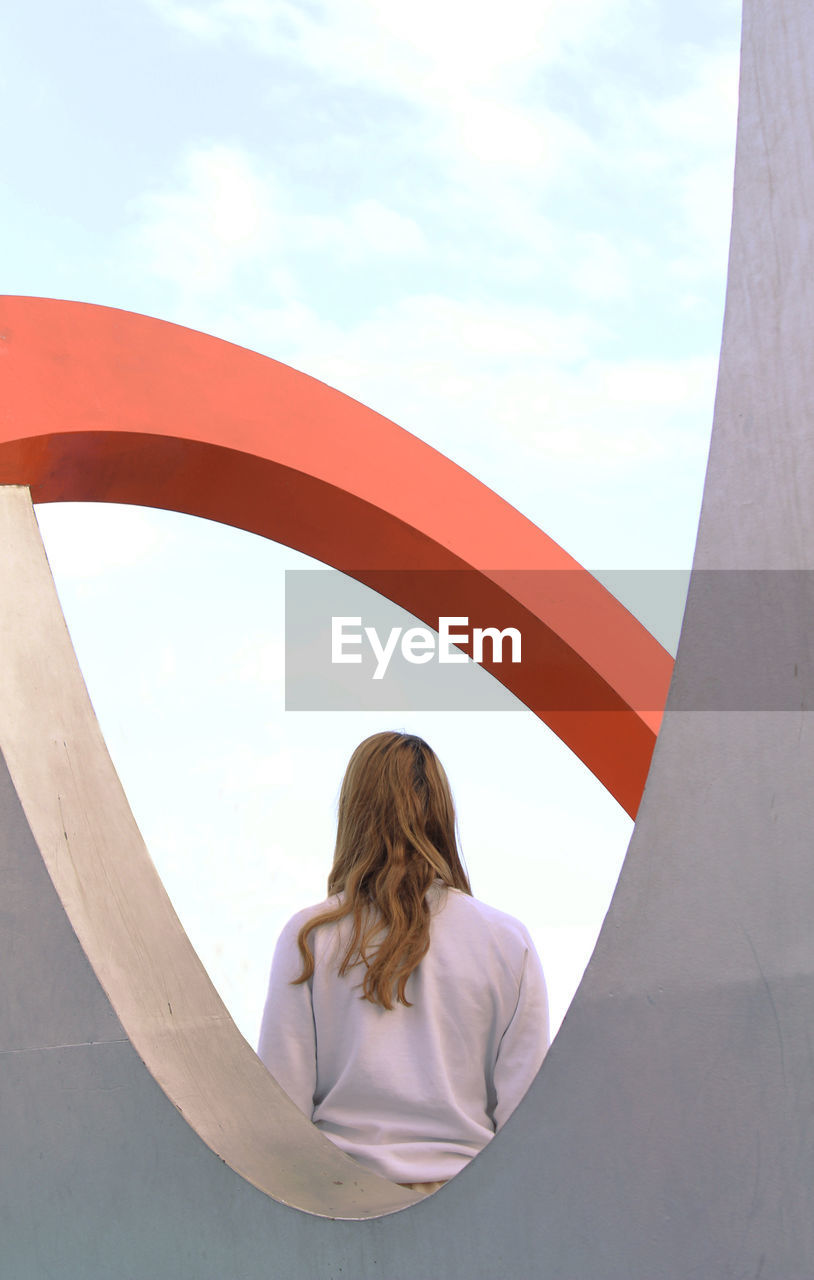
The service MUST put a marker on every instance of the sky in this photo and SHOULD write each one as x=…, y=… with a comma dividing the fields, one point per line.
x=505, y=228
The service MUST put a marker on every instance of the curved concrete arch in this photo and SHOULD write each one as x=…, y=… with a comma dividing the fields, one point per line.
x=157, y=996
x=107, y=406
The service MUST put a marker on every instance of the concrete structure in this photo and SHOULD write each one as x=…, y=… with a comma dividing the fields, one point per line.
x=669, y=1133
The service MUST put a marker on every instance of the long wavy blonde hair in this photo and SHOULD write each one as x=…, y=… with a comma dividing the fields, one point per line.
x=395, y=836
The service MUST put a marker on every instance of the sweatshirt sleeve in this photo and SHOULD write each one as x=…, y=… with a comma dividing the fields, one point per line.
x=524, y=1042
x=287, y=1043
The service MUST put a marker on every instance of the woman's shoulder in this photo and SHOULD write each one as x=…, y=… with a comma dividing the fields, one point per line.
x=471, y=913
x=292, y=927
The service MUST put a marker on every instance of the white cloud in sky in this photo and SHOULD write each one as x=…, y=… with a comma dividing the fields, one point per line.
x=600, y=271
x=500, y=377
x=483, y=298
x=466, y=69
x=77, y=552
x=702, y=121
x=261, y=663
x=225, y=213
x=245, y=770
x=449, y=369
x=704, y=110
x=216, y=218
x=677, y=149
x=425, y=46
x=367, y=230
x=515, y=142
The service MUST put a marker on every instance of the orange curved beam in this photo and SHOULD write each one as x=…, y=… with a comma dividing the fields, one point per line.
x=102, y=405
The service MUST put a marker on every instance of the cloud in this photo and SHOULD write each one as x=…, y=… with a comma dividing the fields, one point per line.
x=458, y=371
x=559, y=175
x=217, y=217
x=466, y=71
x=224, y=213
x=481, y=379
x=367, y=230
x=70, y=531
x=419, y=49
x=673, y=153
x=243, y=769
x=600, y=270
x=540, y=276
x=260, y=663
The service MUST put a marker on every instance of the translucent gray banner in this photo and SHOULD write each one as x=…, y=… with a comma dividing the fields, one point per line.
x=350, y=648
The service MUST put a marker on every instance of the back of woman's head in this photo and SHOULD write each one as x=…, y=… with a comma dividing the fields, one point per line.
x=396, y=822
x=395, y=836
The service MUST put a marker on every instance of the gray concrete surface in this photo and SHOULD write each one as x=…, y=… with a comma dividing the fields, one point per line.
x=669, y=1133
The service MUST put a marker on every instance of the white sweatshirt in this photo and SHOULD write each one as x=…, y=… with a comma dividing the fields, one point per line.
x=412, y=1093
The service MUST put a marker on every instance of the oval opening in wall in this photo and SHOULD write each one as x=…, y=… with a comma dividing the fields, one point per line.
x=236, y=796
